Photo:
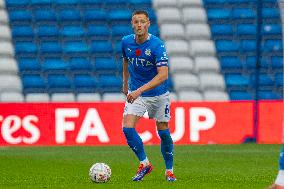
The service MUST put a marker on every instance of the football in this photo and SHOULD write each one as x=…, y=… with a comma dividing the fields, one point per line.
x=100, y=173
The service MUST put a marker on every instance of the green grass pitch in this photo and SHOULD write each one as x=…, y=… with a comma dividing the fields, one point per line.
x=196, y=166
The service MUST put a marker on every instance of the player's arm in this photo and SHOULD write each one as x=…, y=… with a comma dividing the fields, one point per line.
x=161, y=76
x=125, y=76
x=157, y=80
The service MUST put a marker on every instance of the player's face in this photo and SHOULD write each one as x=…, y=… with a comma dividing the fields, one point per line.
x=140, y=24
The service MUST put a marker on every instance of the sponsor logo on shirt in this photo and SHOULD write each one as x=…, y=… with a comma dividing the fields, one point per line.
x=148, y=52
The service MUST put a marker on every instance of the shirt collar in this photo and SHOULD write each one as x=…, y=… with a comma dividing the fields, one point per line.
x=148, y=38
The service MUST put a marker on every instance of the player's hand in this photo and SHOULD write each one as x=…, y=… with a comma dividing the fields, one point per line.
x=133, y=96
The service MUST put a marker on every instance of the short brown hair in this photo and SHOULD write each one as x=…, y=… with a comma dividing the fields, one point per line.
x=140, y=12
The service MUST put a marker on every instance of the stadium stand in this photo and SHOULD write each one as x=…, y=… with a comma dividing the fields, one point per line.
x=69, y=50
x=192, y=53
x=66, y=48
x=234, y=30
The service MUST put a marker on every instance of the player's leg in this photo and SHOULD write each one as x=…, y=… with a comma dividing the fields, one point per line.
x=132, y=113
x=280, y=177
x=133, y=139
x=160, y=110
x=167, y=149
x=279, y=182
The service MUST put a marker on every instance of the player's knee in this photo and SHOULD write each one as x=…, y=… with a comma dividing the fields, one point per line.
x=127, y=124
x=129, y=121
x=162, y=125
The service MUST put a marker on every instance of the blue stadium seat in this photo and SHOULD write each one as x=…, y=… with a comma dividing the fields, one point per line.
x=265, y=80
x=265, y=62
x=272, y=45
x=75, y=47
x=119, y=15
x=105, y=65
x=121, y=30
x=241, y=1
x=270, y=13
x=25, y=47
x=222, y=29
x=58, y=83
x=117, y=47
x=146, y=3
x=250, y=62
x=45, y=15
x=154, y=29
x=54, y=65
x=279, y=80
x=80, y=64
x=217, y=14
x=98, y=30
x=110, y=83
x=240, y=95
x=85, y=83
x=92, y=2
x=41, y=2
x=16, y=3
x=95, y=15
x=268, y=95
x=66, y=2
x=47, y=31
x=277, y=62
x=33, y=83
x=248, y=45
x=271, y=29
x=243, y=13
x=269, y=1
x=72, y=31
x=237, y=80
x=116, y=2
x=227, y=46
x=69, y=15
x=20, y=15
x=22, y=31
x=101, y=47
x=230, y=62
x=214, y=2
x=50, y=47
x=221, y=2
x=246, y=29
x=151, y=14
x=29, y=65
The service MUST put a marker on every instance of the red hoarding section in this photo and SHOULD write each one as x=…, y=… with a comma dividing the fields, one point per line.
x=210, y=123
x=271, y=122
x=61, y=124
x=100, y=123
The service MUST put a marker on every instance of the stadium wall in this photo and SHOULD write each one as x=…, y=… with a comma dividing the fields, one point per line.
x=50, y=124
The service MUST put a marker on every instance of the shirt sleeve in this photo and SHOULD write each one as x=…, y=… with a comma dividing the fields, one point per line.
x=161, y=55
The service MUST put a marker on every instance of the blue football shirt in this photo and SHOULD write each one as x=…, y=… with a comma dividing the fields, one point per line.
x=143, y=60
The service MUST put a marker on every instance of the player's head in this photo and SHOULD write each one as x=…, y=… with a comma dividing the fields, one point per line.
x=140, y=22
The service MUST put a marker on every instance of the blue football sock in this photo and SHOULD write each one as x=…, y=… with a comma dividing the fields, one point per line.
x=167, y=147
x=135, y=142
x=281, y=159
